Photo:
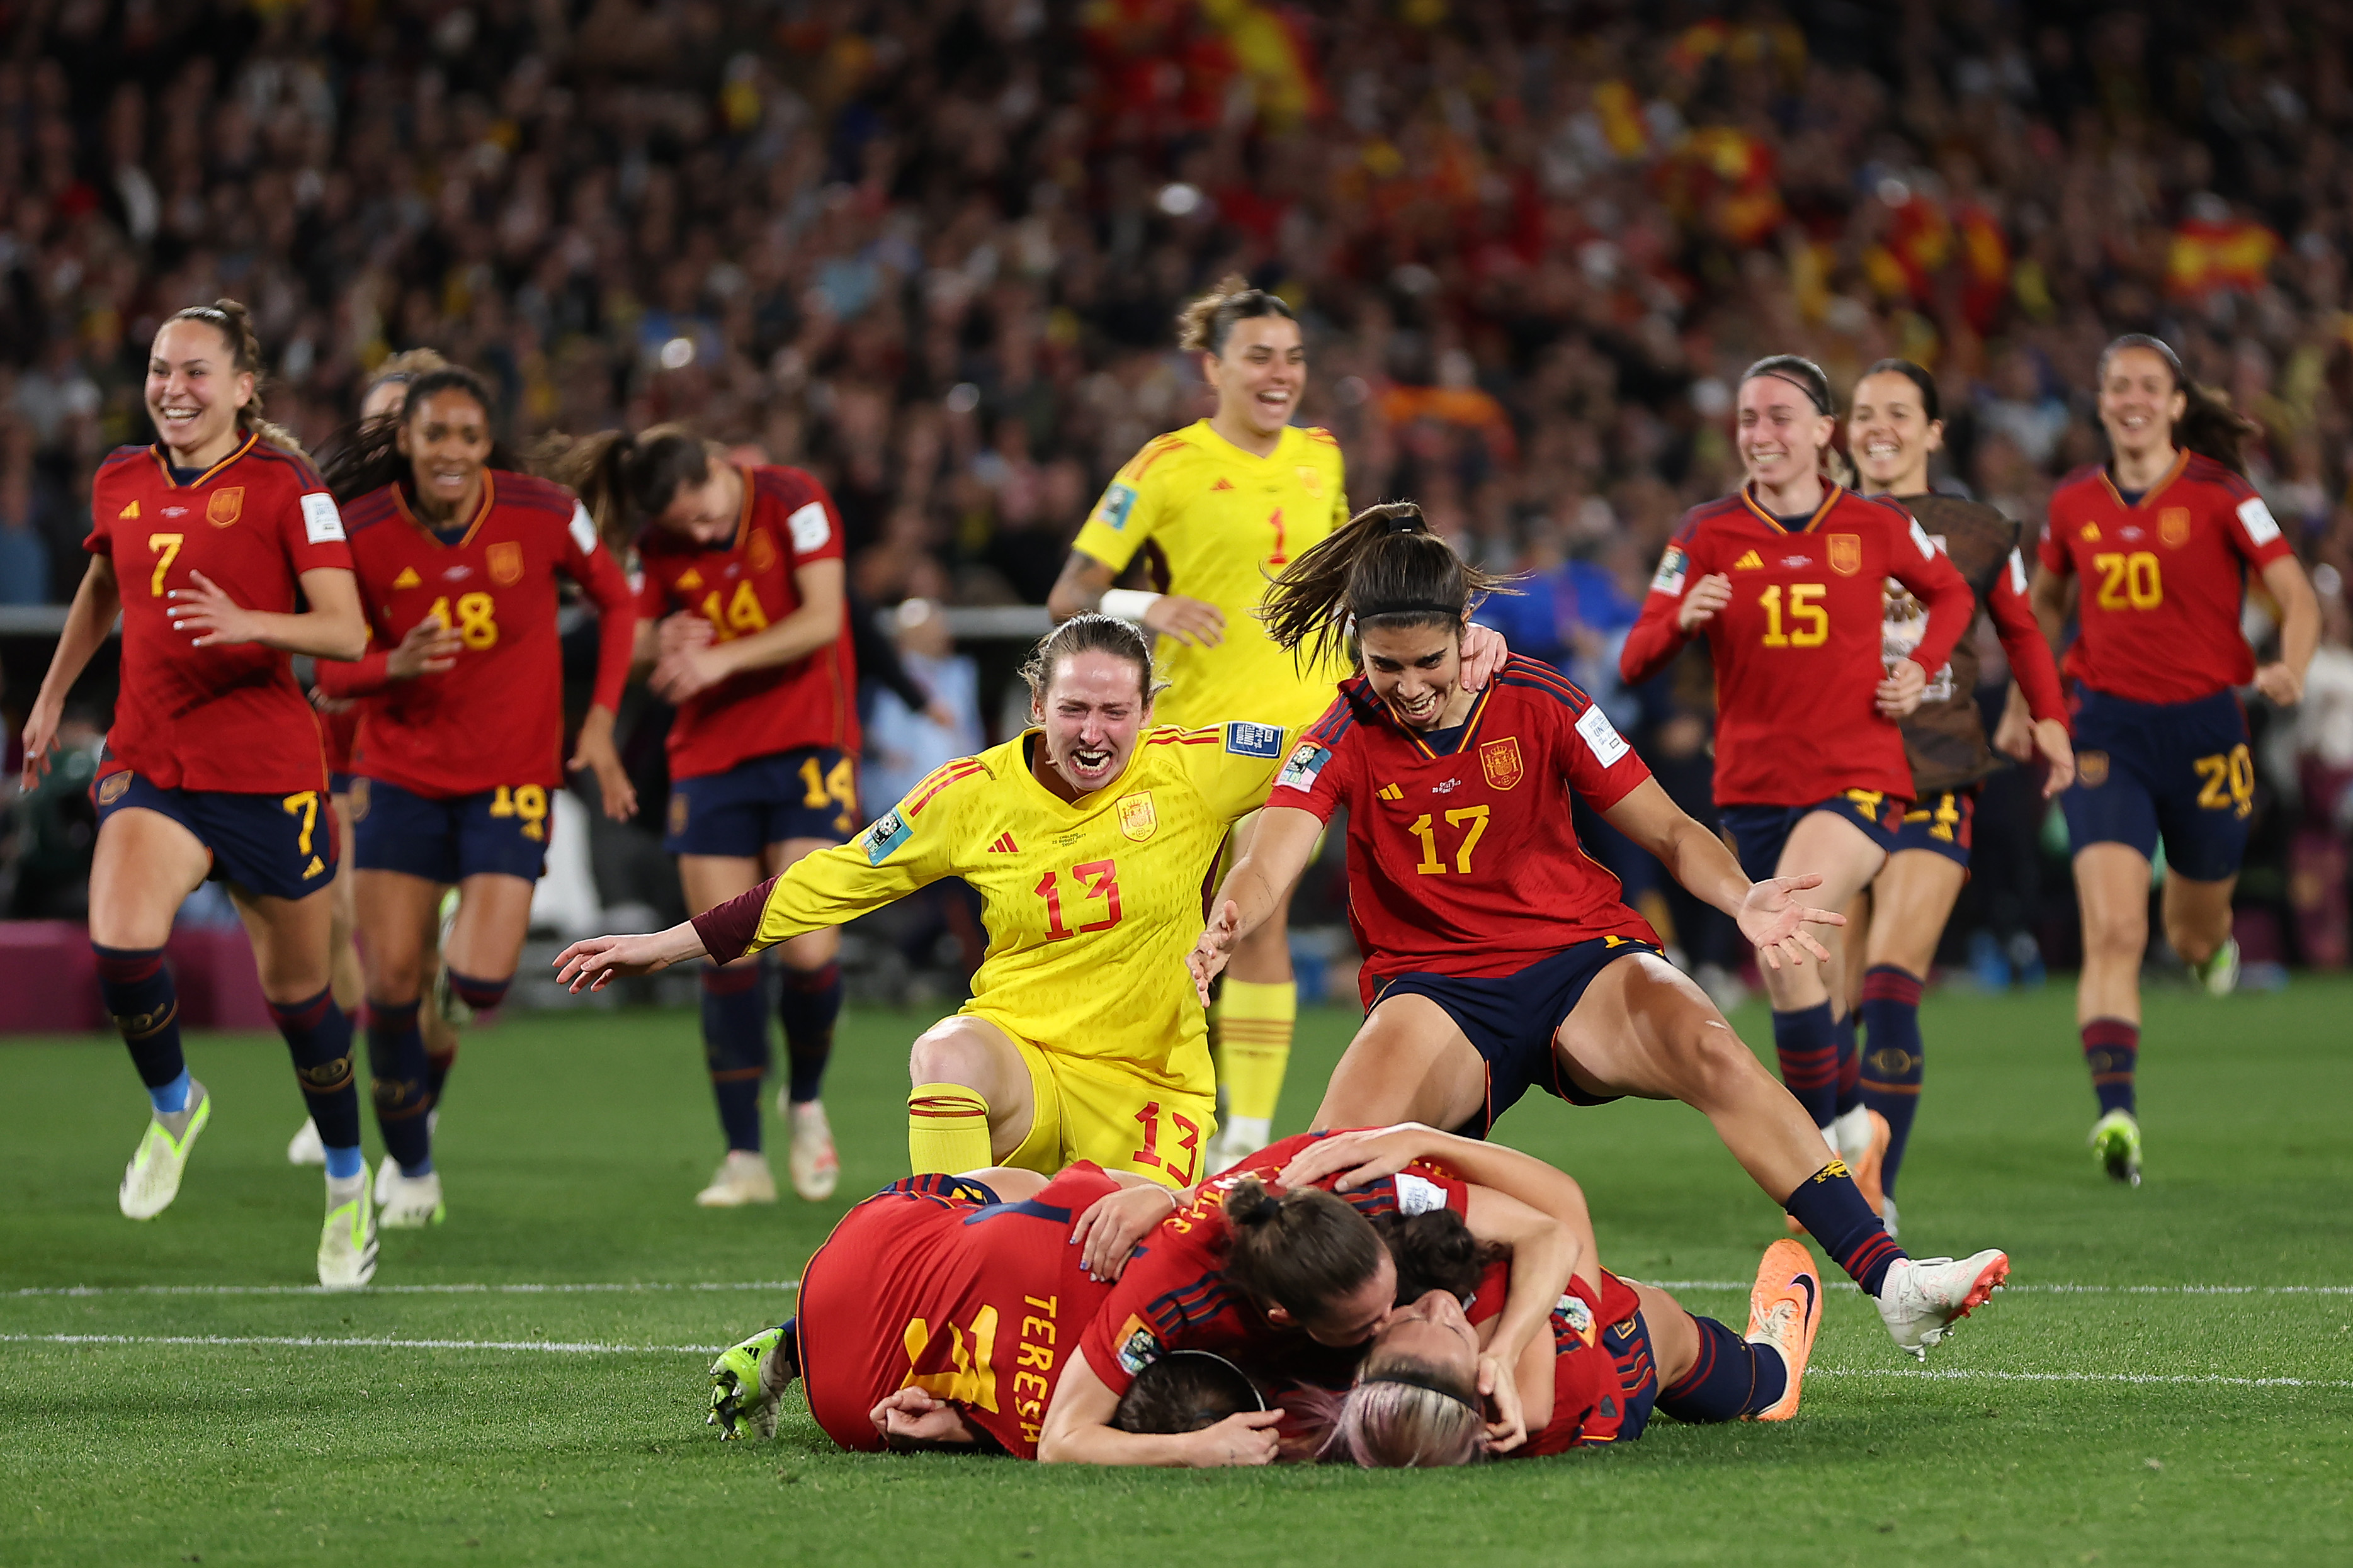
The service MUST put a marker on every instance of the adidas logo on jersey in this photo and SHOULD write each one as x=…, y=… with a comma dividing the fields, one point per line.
x=1004, y=845
x=1390, y=791
x=1223, y=484
x=128, y=512
x=690, y=579
x=314, y=867
x=407, y=578
x=1752, y=561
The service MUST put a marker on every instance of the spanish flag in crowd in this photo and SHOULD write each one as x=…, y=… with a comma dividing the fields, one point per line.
x=2212, y=253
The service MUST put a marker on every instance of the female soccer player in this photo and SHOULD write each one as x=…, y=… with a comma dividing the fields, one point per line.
x=1498, y=955
x=339, y=725
x=1893, y=425
x=1088, y=837
x=461, y=743
x=213, y=767
x=1219, y=507
x=2162, y=538
x=1810, y=764
x=747, y=629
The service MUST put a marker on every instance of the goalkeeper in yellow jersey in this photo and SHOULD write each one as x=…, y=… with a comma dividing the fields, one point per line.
x=1216, y=509
x=1089, y=838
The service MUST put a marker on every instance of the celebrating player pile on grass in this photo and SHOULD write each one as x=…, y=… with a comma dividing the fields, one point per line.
x=210, y=544
x=1498, y=955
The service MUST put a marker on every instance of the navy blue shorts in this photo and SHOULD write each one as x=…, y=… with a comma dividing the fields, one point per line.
x=278, y=845
x=339, y=783
x=1941, y=824
x=2177, y=770
x=808, y=793
x=1760, y=832
x=1510, y=1020
x=1628, y=1344
x=449, y=839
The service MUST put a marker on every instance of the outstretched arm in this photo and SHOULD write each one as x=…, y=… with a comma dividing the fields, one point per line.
x=1767, y=914
x=1254, y=889
x=1078, y=1431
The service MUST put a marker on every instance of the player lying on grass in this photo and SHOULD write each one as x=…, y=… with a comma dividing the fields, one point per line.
x=1498, y=955
x=1088, y=837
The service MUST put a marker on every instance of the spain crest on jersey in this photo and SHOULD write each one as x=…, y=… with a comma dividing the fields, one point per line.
x=2173, y=526
x=506, y=563
x=1136, y=817
x=1500, y=762
x=1311, y=481
x=1846, y=553
x=762, y=552
x=227, y=505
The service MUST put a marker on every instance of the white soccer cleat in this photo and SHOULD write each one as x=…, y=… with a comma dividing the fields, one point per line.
x=1922, y=1297
x=305, y=1147
x=2218, y=975
x=347, y=1244
x=815, y=1166
x=448, y=1005
x=408, y=1202
x=742, y=1177
x=1238, y=1140
x=151, y=1180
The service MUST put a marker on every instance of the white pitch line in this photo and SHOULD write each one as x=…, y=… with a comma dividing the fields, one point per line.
x=317, y=1342
x=2034, y=1289
x=1972, y=1374
x=628, y=1287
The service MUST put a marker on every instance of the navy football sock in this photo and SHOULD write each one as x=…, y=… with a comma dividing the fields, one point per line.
x=1850, y=1067
x=398, y=1068
x=1731, y=1377
x=481, y=996
x=437, y=1071
x=138, y=993
x=810, y=1003
x=1808, y=1049
x=2111, y=1050
x=735, y=1044
x=1893, y=1066
x=1831, y=1206
x=319, y=1037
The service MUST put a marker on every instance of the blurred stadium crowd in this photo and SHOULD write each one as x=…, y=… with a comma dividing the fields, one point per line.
x=932, y=249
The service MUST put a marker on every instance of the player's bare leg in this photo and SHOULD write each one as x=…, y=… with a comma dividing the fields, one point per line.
x=808, y=1004
x=349, y=985
x=2112, y=892
x=972, y=1104
x=1409, y=1062
x=1251, y=1026
x=2198, y=924
x=1910, y=903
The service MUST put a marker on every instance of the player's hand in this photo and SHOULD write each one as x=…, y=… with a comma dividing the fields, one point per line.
x=326, y=704
x=40, y=739
x=686, y=671
x=1774, y=924
x=594, y=751
x=1107, y=1232
x=214, y=619
x=1245, y=1437
x=2051, y=740
x=597, y=961
x=2280, y=687
x=1484, y=653
x=683, y=630
x=914, y=1416
x=1899, y=694
x=1366, y=1155
x=945, y=717
x=1207, y=959
x=1193, y=622
x=2014, y=733
x=1499, y=1391
x=1705, y=598
x=429, y=648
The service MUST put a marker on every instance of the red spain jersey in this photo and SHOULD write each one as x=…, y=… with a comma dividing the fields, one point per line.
x=2163, y=577
x=1798, y=650
x=928, y=1285
x=227, y=719
x=742, y=586
x=1467, y=863
x=338, y=731
x=496, y=718
x=1588, y=1386
x=1174, y=1296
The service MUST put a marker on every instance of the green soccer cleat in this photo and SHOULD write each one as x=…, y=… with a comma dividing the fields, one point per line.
x=151, y=1180
x=2218, y=975
x=746, y=1382
x=2116, y=1144
x=347, y=1243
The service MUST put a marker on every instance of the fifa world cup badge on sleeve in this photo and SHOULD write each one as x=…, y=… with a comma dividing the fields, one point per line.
x=810, y=528
x=1670, y=579
x=1601, y=736
x=1116, y=503
x=1578, y=1316
x=1306, y=761
x=1418, y=1194
x=1138, y=1348
x=1244, y=739
x=883, y=839
x=321, y=523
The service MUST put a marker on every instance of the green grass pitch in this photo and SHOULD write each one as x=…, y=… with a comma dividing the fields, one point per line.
x=2113, y=1408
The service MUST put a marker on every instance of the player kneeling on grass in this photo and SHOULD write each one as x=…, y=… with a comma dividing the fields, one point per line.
x=1498, y=955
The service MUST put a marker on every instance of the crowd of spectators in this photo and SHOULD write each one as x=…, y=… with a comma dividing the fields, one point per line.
x=933, y=249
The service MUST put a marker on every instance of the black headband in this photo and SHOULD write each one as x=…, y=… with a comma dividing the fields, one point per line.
x=1416, y=607
x=1813, y=394
x=1422, y=1380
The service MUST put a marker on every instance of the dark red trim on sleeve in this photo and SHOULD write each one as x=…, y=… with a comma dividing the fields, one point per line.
x=727, y=928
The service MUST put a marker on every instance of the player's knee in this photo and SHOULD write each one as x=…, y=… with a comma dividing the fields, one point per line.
x=1712, y=1064
x=946, y=1056
x=2115, y=934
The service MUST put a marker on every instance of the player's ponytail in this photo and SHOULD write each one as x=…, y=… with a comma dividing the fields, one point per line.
x=1384, y=568
x=1202, y=326
x=234, y=322
x=1091, y=632
x=625, y=481
x=367, y=457
x=2208, y=425
x=1301, y=1251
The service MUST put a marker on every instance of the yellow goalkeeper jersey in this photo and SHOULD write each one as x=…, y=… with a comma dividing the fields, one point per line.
x=1091, y=907
x=1215, y=523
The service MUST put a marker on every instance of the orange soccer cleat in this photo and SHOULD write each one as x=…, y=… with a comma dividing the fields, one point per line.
x=1785, y=1309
